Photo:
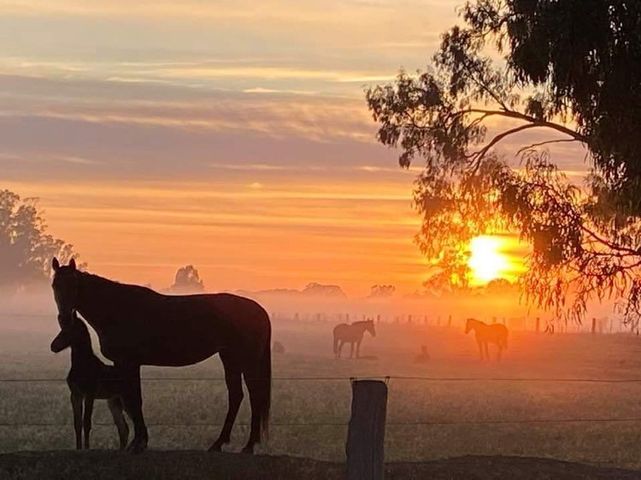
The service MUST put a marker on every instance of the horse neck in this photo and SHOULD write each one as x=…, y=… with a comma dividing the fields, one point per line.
x=361, y=327
x=82, y=351
x=98, y=298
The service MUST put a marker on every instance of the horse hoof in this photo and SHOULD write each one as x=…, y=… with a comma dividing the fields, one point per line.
x=216, y=447
x=136, y=447
x=248, y=450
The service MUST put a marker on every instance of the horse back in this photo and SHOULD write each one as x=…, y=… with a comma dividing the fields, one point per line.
x=185, y=329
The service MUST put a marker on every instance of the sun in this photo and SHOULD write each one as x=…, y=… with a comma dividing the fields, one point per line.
x=487, y=261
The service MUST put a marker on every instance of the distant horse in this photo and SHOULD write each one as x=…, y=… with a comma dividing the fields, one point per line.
x=424, y=356
x=352, y=334
x=495, y=333
x=137, y=326
x=89, y=379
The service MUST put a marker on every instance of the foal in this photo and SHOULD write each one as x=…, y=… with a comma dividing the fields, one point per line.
x=89, y=379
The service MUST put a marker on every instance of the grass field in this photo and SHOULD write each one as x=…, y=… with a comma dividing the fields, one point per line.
x=412, y=403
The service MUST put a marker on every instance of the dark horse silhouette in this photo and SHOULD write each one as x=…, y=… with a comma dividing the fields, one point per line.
x=137, y=326
x=89, y=379
x=352, y=334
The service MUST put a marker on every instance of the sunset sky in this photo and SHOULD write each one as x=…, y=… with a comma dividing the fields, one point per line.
x=232, y=135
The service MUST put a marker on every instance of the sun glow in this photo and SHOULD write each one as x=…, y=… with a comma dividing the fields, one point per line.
x=487, y=260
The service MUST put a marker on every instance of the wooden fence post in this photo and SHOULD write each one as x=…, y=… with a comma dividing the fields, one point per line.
x=366, y=431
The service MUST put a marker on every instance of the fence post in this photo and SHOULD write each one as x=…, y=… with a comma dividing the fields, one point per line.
x=366, y=431
x=593, y=325
x=538, y=324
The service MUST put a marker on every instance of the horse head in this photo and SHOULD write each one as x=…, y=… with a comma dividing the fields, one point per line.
x=469, y=325
x=370, y=327
x=65, y=289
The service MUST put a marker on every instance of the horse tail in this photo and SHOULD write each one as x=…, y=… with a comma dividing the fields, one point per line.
x=265, y=376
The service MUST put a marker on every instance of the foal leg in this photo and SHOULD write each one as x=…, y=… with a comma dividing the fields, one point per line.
x=86, y=423
x=76, y=405
x=115, y=407
x=235, y=397
x=132, y=397
x=340, y=348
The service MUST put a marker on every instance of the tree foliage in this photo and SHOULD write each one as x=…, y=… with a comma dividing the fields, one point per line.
x=187, y=280
x=26, y=249
x=382, y=291
x=570, y=68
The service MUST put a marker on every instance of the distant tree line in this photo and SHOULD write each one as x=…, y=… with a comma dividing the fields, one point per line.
x=26, y=248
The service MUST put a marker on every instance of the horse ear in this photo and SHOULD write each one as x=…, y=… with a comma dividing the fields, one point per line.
x=72, y=264
x=55, y=264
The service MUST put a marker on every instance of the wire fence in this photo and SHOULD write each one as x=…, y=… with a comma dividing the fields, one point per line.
x=343, y=424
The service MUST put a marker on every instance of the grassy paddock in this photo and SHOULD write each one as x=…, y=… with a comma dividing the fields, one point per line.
x=170, y=404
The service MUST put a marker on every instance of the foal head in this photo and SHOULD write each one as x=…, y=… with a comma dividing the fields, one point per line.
x=73, y=333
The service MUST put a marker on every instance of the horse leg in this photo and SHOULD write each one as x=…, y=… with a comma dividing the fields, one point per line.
x=480, y=344
x=132, y=397
x=86, y=423
x=351, y=350
x=487, y=351
x=358, y=348
x=115, y=407
x=235, y=397
x=498, y=356
x=254, y=387
x=76, y=405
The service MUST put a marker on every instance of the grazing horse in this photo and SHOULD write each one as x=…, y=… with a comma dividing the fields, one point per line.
x=89, y=379
x=352, y=334
x=495, y=333
x=137, y=326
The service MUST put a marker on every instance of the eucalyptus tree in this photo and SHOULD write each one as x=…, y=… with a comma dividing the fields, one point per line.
x=569, y=70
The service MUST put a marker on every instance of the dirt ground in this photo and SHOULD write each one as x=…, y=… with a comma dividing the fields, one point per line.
x=190, y=465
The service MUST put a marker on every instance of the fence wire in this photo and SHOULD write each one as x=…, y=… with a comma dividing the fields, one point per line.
x=343, y=424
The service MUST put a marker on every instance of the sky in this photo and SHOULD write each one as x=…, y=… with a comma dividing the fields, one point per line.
x=232, y=135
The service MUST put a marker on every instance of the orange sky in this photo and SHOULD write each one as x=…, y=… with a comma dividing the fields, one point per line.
x=232, y=135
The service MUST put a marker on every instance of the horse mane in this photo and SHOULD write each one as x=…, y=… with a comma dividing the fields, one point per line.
x=362, y=322
x=476, y=321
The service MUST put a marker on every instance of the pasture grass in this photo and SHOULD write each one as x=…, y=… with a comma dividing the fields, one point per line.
x=170, y=404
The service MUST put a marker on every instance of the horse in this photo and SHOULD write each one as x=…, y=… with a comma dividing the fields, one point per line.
x=352, y=334
x=89, y=379
x=138, y=326
x=495, y=333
